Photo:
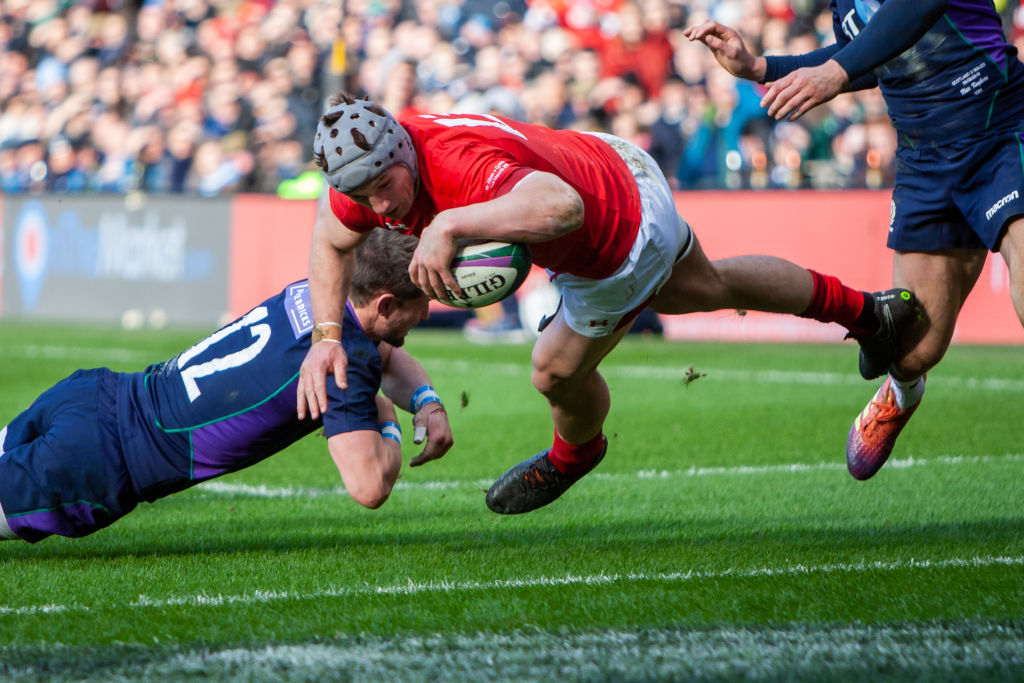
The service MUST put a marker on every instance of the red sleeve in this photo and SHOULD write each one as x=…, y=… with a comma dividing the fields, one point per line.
x=508, y=183
x=464, y=171
x=354, y=217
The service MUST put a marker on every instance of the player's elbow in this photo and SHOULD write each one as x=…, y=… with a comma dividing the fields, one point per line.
x=368, y=474
x=374, y=490
x=371, y=494
x=566, y=210
x=556, y=204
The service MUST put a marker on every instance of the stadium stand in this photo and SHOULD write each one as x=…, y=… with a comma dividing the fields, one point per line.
x=210, y=97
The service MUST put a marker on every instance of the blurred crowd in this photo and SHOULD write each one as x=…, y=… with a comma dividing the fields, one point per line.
x=216, y=96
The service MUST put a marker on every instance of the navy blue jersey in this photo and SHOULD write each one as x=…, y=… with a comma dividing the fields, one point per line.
x=960, y=79
x=229, y=400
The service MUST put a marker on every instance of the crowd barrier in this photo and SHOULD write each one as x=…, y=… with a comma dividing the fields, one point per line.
x=139, y=260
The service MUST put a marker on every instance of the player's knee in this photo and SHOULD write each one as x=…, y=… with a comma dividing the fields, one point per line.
x=550, y=379
x=543, y=381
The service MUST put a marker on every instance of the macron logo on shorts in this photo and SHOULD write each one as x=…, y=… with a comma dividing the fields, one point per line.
x=1000, y=204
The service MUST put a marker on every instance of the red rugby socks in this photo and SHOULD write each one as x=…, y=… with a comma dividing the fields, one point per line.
x=834, y=302
x=570, y=459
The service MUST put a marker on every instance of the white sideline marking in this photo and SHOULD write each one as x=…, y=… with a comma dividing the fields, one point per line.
x=264, y=491
x=413, y=588
x=623, y=371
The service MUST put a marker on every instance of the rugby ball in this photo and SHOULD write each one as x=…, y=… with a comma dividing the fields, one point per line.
x=487, y=272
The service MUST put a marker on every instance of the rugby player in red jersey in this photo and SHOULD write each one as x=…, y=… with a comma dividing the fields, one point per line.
x=596, y=212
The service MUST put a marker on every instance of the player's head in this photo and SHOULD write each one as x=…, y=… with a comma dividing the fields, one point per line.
x=382, y=288
x=357, y=140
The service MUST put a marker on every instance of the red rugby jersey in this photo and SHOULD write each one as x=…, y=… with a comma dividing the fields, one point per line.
x=467, y=158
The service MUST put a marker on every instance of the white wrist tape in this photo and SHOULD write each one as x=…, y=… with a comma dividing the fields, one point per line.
x=391, y=430
x=422, y=396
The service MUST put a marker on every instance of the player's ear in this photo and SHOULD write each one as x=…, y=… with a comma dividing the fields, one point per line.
x=386, y=304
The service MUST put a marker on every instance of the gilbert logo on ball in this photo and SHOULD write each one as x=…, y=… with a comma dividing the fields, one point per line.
x=487, y=272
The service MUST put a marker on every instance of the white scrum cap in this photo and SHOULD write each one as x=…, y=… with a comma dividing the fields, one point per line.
x=358, y=140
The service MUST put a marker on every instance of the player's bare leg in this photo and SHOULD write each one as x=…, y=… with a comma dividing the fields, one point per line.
x=756, y=283
x=941, y=280
x=775, y=285
x=565, y=372
x=1012, y=250
x=5, y=530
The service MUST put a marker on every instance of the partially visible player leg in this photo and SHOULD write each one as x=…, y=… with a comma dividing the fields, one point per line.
x=1012, y=250
x=941, y=280
x=775, y=285
x=69, y=477
x=761, y=283
x=5, y=530
x=565, y=372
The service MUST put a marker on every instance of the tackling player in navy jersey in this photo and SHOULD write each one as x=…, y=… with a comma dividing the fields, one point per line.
x=955, y=92
x=88, y=450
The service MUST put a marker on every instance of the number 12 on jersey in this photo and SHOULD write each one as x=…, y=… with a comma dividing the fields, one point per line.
x=191, y=373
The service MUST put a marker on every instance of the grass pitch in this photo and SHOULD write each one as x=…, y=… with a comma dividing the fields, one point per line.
x=721, y=538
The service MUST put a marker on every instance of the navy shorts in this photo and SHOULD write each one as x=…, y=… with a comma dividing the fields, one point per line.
x=957, y=195
x=61, y=470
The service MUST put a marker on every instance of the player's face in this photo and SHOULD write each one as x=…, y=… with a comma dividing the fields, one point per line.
x=389, y=195
x=406, y=316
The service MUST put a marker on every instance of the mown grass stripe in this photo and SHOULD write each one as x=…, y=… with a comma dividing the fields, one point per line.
x=602, y=579
x=968, y=650
x=722, y=653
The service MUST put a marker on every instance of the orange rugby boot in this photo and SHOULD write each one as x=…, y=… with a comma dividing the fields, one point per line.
x=873, y=434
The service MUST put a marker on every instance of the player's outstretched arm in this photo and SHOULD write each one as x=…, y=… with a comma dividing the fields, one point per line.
x=728, y=49
x=406, y=383
x=894, y=28
x=330, y=273
x=369, y=461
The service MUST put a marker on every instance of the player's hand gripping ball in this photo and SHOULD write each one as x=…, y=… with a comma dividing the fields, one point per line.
x=487, y=272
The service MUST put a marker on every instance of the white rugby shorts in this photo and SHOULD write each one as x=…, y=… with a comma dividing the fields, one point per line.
x=595, y=308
